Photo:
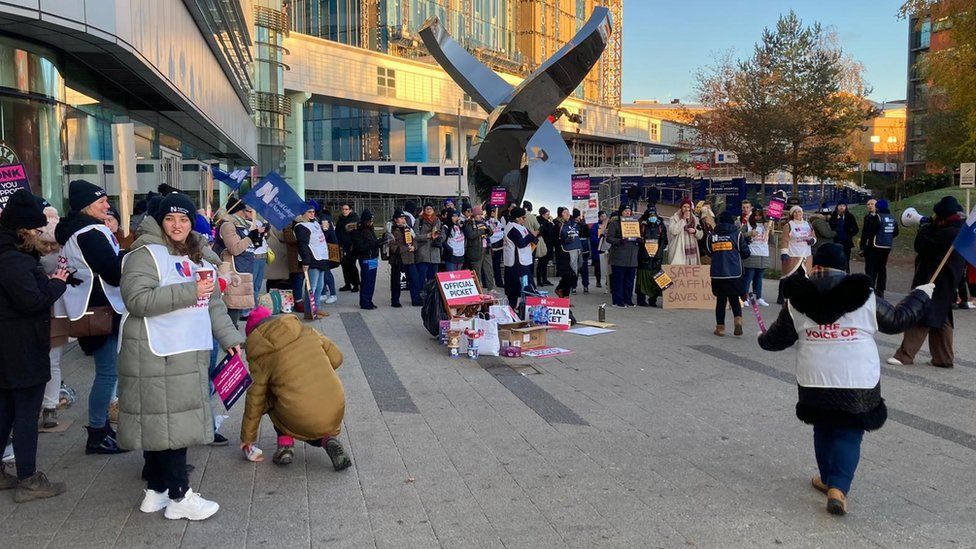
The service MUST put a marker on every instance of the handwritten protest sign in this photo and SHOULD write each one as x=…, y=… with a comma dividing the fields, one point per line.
x=231, y=379
x=629, y=228
x=459, y=288
x=691, y=288
x=13, y=177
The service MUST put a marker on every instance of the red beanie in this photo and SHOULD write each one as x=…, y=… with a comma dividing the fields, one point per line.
x=255, y=318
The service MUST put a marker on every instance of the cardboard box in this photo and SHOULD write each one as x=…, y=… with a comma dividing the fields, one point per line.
x=522, y=334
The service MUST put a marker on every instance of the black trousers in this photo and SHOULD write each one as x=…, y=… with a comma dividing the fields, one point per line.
x=350, y=274
x=542, y=270
x=720, y=302
x=876, y=267
x=566, y=285
x=165, y=470
x=19, y=409
x=496, y=267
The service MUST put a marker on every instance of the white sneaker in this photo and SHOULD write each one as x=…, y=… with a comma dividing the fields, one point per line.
x=154, y=501
x=192, y=507
x=762, y=302
x=894, y=362
x=332, y=299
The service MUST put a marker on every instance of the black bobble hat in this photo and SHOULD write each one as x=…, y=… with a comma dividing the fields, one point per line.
x=830, y=255
x=946, y=207
x=234, y=205
x=726, y=217
x=366, y=216
x=22, y=212
x=152, y=205
x=175, y=203
x=82, y=193
x=543, y=210
x=526, y=205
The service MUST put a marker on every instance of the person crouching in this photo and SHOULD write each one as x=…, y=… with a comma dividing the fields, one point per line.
x=832, y=317
x=294, y=382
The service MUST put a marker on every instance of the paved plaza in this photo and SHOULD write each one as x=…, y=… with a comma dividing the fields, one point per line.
x=657, y=435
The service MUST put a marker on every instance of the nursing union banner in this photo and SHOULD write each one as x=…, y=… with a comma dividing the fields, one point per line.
x=275, y=200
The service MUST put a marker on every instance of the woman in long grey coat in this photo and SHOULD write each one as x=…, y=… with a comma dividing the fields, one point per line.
x=174, y=312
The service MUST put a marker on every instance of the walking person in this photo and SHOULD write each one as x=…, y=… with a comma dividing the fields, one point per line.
x=832, y=317
x=569, y=251
x=454, y=249
x=430, y=240
x=366, y=247
x=93, y=256
x=931, y=244
x=877, y=238
x=402, y=248
x=345, y=226
x=756, y=230
x=650, y=257
x=622, y=259
x=684, y=232
x=518, y=256
x=477, y=254
x=313, y=257
x=174, y=314
x=727, y=248
x=844, y=224
x=26, y=296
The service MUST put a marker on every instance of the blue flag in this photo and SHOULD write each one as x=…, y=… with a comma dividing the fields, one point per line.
x=275, y=200
x=965, y=242
x=232, y=179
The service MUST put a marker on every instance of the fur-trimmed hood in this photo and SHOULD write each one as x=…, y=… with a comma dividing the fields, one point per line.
x=826, y=297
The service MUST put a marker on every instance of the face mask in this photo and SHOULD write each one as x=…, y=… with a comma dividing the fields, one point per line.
x=652, y=219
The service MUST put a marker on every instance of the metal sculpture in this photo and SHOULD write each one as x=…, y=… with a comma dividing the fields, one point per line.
x=518, y=147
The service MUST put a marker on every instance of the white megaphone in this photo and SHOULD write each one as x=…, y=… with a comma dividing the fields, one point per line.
x=911, y=218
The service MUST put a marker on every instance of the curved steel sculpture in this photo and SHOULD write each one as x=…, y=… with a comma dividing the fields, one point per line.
x=518, y=147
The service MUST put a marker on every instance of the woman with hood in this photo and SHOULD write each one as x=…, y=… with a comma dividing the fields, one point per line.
x=622, y=259
x=93, y=256
x=455, y=244
x=26, y=296
x=367, y=246
x=430, y=239
x=175, y=311
x=727, y=248
x=832, y=318
x=684, y=232
x=650, y=257
x=844, y=224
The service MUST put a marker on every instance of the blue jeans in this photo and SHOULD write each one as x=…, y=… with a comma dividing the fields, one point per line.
x=838, y=451
x=426, y=272
x=452, y=266
x=329, y=282
x=258, y=272
x=753, y=278
x=622, y=284
x=106, y=375
x=367, y=286
x=316, y=279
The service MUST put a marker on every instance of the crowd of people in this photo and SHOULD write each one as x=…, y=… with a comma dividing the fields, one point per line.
x=157, y=310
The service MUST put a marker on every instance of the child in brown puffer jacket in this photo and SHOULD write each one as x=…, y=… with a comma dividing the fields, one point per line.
x=293, y=368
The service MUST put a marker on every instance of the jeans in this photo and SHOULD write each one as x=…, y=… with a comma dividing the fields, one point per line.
x=165, y=470
x=426, y=272
x=838, y=451
x=52, y=391
x=329, y=282
x=316, y=279
x=496, y=267
x=258, y=273
x=622, y=284
x=753, y=277
x=452, y=266
x=106, y=376
x=720, y=303
x=297, y=285
x=18, y=413
x=368, y=285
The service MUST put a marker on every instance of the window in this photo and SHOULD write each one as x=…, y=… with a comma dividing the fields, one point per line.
x=449, y=146
x=582, y=114
x=468, y=139
x=654, y=131
x=468, y=104
x=622, y=124
x=385, y=82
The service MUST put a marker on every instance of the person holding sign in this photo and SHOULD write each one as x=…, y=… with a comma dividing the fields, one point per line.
x=175, y=311
x=727, y=248
x=624, y=237
x=568, y=252
x=756, y=230
x=454, y=252
x=402, y=250
x=477, y=254
x=683, y=235
x=430, y=240
x=517, y=256
x=798, y=236
x=832, y=317
x=313, y=256
x=650, y=257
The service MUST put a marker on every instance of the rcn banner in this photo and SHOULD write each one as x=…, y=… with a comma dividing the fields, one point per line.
x=965, y=242
x=233, y=179
x=275, y=200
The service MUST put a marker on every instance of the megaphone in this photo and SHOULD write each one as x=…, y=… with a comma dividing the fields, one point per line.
x=911, y=218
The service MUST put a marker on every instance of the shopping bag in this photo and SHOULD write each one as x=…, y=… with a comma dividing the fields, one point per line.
x=488, y=343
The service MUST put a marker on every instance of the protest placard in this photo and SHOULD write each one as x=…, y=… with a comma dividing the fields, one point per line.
x=548, y=311
x=691, y=288
x=629, y=228
x=498, y=196
x=459, y=288
x=580, y=186
x=13, y=177
x=775, y=209
x=231, y=379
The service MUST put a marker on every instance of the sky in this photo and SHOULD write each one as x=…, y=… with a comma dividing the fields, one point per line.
x=667, y=41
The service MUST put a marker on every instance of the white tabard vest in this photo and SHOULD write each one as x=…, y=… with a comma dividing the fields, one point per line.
x=182, y=330
x=800, y=232
x=841, y=355
x=74, y=302
x=509, y=250
x=316, y=241
x=497, y=230
x=455, y=241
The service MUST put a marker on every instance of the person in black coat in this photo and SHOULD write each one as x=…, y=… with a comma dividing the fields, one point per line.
x=366, y=249
x=844, y=224
x=549, y=235
x=345, y=226
x=26, y=297
x=931, y=244
x=832, y=317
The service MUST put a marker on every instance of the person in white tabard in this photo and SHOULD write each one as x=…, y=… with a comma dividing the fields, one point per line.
x=174, y=312
x=313, y=255
x=798, y=237
x=517, y=255
x=91, y=253
x=832, y=318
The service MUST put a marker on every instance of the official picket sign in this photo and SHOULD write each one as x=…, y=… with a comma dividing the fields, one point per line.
x=13, y=177
x=459, y=288
x=691, y=288
x=556, y=311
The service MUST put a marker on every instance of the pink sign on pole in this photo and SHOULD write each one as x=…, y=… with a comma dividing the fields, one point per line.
x=498, y=196
x=581, y=186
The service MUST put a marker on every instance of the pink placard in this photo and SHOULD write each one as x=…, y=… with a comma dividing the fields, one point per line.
x=498, y=196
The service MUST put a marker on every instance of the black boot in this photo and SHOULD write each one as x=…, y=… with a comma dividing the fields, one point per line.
x=337, y=454
x=100, y=443
x=109, y=431
x=642, y=300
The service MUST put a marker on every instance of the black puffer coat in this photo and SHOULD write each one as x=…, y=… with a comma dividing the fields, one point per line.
x=931, y=244
x=26, y=297
x=825, y=298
